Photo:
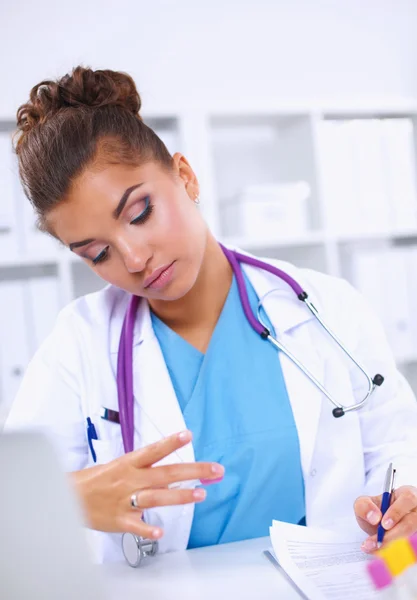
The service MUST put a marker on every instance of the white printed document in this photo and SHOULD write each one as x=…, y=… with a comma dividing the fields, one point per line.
x=323, y=565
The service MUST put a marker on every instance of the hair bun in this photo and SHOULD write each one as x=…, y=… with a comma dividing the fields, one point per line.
x=81, y=88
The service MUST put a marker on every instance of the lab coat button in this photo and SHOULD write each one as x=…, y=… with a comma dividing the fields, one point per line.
x=313, y=472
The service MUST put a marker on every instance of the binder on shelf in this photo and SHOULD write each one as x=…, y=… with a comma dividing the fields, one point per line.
x=411, y=269
x=382, y=277
x=8, y=214
x=14, y=331
x=369, y=175
x=372, y=205
x=33, y=241
x=400, y=159
x=44, y=304
x=339, y=181
x=170, y=139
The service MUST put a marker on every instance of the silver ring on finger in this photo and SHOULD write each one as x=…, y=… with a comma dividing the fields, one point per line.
x=134, y=501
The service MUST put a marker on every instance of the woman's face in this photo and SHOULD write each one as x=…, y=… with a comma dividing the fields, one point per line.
x=138, y=228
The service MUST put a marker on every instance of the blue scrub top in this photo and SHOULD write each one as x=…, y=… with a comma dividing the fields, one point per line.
x=235, y=402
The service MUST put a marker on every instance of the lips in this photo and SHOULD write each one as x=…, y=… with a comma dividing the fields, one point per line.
x=159, y=277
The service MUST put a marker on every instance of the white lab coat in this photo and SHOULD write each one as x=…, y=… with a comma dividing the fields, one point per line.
x=74, y=374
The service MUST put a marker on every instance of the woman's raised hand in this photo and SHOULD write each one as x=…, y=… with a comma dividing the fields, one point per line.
x=106, y=490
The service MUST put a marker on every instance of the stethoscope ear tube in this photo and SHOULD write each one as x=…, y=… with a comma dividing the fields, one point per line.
x=339, y=410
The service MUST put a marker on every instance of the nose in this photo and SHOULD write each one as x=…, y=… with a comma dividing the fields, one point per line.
x=135, y=257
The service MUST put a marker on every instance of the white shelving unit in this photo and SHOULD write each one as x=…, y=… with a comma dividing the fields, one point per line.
x=228, y=152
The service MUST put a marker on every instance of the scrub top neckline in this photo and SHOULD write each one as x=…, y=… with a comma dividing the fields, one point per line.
x=173, y=335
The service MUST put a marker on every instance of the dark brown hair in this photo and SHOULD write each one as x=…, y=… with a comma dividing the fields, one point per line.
x=85, y=119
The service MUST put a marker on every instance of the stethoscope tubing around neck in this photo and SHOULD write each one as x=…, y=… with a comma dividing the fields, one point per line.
x=234, y=259
x=125, y=375
x=125, y=354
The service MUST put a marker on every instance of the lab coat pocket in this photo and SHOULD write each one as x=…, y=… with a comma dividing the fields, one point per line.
x=107, y=450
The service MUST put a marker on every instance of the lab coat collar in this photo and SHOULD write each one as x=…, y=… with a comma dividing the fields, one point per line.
x=142, y=328
x=293, y=312
x=153, y=388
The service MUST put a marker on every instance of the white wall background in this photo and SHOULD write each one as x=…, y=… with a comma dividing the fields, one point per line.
x=217, y=53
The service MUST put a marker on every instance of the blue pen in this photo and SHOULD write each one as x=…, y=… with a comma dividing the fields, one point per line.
x=91, y=435
x=386, y=500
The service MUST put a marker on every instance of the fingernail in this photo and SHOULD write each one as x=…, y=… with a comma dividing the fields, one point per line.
x=369, y=545
x=217, y=469
x=184, y=435
x=387, y=524
x=199, y=494
x=156, y=533
x=211, y=481
x=372, y=517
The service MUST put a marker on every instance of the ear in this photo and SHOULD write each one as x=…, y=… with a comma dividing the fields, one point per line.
x=186, y=175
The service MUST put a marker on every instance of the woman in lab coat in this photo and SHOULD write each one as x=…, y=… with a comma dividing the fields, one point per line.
x=104, y=184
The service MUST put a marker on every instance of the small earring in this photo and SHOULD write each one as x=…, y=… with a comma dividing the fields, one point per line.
x=197, y=200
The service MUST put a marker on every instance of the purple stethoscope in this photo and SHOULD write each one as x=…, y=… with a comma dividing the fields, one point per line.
x=135, y=549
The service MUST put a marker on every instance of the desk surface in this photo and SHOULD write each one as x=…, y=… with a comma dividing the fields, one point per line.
x=239, y=569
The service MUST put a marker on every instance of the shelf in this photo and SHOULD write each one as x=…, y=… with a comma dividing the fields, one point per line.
x=320, y=237
x=38, y=260
x=354, y=236
x=312, y=238
x=407, y=361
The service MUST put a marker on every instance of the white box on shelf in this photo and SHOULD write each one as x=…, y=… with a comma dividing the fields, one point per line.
x=9, y=245
x=267, y=211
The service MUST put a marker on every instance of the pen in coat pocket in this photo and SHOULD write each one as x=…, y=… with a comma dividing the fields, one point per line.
x=91, y=435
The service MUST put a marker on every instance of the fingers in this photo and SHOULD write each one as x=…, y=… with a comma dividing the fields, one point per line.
x=405, y=501
x=149, y=498
x=132, y=523
x=164, y=475
x=407, y=526
x=163, y=497
x=149, y=455
x=400, y=519
x=367, y=511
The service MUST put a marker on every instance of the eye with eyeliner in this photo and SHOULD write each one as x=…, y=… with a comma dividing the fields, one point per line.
x=145, y=214
x=142, y=217
x=101, y=256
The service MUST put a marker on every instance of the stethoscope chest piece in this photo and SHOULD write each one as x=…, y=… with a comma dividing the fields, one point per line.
x=135, y=548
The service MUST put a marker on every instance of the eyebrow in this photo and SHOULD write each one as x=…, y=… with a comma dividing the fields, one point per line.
x=118, y=210
x=116, y=214
x=79, y=244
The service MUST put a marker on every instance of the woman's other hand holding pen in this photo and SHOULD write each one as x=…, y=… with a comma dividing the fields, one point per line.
x=400, y=520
